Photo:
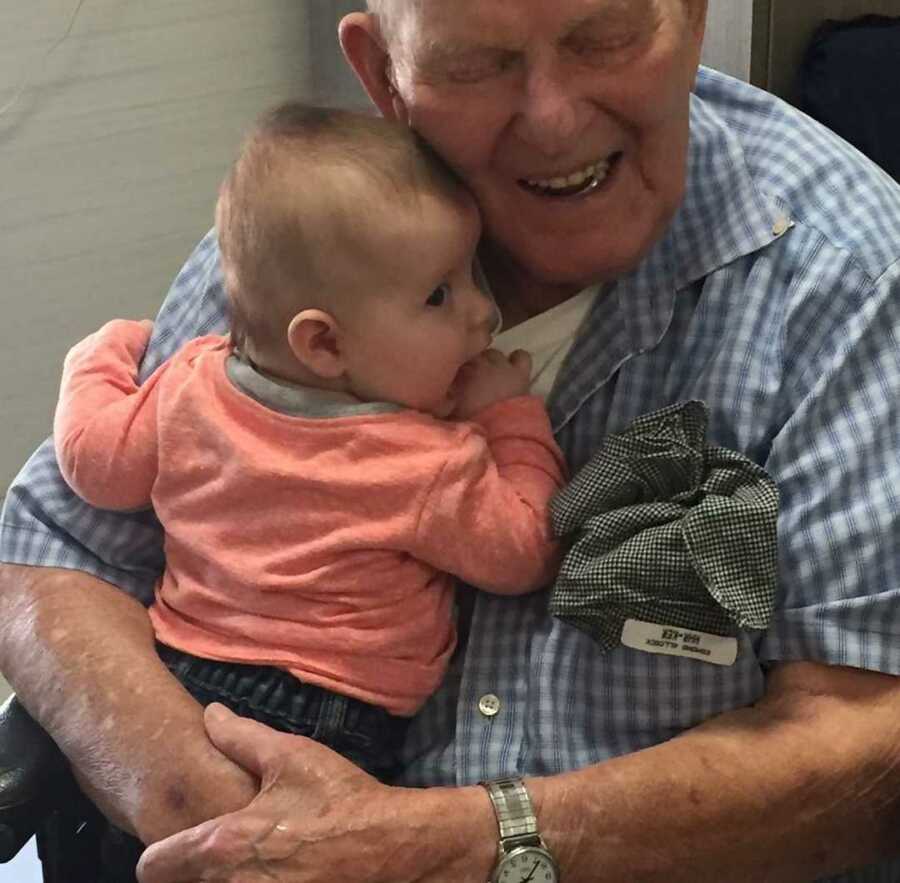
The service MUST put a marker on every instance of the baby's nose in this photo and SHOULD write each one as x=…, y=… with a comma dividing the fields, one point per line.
x=483, y=312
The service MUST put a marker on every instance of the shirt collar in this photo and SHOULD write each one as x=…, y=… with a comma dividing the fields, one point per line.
x=298, y=401
x=722, y=217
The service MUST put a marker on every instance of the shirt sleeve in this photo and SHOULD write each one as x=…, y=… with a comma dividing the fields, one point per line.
x=105, y=428
x=486, y=517
x=837, y=466
x=43, y=522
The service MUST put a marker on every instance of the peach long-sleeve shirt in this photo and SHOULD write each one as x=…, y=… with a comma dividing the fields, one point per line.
x=324, y=545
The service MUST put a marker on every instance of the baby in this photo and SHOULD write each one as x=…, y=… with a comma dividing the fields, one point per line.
x=326, y=473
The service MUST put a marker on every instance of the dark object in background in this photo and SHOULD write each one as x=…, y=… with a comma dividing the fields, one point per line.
x=38, y=796
x=850, y=81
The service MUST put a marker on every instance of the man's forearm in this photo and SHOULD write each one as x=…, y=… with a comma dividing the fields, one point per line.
x=81, y=657
x=802, y=786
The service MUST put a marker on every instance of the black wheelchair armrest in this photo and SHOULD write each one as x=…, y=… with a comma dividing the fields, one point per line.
x=34, y=778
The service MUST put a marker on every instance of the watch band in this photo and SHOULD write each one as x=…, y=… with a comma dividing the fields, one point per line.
x=521, y=849
x=515, y=814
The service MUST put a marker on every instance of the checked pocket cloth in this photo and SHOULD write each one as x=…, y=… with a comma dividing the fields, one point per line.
x=667, y=529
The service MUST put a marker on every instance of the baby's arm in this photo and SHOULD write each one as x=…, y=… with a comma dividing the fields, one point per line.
x=486, y=517
x=104, y=429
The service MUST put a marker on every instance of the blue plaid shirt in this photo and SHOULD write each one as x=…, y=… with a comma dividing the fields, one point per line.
x=775, y=298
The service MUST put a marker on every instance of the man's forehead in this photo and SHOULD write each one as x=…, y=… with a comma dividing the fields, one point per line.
x=430, y=18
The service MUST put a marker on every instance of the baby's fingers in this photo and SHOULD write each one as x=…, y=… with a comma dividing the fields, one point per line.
x=521, y=361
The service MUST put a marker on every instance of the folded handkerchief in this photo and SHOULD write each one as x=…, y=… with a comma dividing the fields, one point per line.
x=665, y=528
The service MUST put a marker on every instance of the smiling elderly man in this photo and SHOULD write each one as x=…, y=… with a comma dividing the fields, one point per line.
x=650, y=246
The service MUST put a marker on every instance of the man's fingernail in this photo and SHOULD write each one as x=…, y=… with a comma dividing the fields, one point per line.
x=217, y=710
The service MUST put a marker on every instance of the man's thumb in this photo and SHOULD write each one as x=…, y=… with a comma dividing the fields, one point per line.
x=239, y=739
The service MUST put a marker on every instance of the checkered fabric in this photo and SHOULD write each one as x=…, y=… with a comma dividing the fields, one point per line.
x=773, y=297
x=668, y=529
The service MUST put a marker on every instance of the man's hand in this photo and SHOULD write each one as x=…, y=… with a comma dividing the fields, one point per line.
x=320, y=819
x=491, y=377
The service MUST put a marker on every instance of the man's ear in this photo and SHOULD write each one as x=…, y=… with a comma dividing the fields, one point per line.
x=314, y=339
x=365, y=49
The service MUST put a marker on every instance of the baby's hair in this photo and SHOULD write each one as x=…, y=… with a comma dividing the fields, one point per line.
x=304, y=177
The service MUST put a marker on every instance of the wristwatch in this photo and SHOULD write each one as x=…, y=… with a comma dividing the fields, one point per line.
x=523, y=856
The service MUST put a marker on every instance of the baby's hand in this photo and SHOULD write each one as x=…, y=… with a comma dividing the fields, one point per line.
x=491, y=377
x=126, y=337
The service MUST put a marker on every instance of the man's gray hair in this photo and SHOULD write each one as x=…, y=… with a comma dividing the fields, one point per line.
x=379, y=8
x=386, y=13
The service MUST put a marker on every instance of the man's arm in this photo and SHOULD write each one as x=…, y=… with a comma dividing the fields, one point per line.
x=80, y=655
x=804, y=785
x=801, y=786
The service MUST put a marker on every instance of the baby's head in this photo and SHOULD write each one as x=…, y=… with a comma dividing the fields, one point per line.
x=347, y=251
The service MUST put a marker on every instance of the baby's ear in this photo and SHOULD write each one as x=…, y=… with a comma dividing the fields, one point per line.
x=313, y=339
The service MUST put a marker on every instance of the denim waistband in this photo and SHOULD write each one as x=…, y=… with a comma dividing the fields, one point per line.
x=367, y=734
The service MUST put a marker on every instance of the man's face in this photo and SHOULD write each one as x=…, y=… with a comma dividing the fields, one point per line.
x=568, y=120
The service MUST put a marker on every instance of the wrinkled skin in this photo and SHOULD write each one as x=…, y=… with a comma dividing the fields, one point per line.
x=317, y=817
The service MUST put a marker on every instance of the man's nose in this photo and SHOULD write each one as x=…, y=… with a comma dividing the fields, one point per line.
x=551, y=112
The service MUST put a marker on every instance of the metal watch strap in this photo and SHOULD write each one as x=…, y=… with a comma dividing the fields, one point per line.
x=515, y=814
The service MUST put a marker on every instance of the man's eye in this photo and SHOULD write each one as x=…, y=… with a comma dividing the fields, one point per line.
x=478, y=69
x=466, y=75
x=438, y=297
x=602, y=46
x=593, y=48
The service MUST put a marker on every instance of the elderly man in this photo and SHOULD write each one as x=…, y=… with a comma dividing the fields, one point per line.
x=652, y=246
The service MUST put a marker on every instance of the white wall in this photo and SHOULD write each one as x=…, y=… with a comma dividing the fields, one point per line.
x=110, y=160
x=728, y=37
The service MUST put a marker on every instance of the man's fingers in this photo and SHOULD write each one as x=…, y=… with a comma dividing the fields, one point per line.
x=220, y=849
x=246, y=742
x=188, y=862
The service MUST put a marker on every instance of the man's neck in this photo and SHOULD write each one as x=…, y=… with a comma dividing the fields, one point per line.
x=518, y=294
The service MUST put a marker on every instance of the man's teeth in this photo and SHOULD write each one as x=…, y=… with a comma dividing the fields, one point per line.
x=597, y=171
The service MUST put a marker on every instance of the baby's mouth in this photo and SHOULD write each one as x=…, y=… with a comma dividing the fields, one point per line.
x=578, y=183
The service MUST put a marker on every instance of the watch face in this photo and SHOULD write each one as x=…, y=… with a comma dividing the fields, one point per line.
x=527, y=864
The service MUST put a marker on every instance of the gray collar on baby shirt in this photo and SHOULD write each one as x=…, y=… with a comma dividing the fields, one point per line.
x=298, y=401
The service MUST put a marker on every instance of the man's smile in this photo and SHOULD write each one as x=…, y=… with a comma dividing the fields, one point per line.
x=578, y=183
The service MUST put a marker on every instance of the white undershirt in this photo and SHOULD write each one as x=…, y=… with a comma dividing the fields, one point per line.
x=548, y=337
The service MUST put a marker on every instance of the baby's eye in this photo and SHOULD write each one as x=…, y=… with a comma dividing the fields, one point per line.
x=438, y=297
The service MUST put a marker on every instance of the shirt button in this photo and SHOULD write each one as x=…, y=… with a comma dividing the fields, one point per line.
x=782, y=225
x=489, y=704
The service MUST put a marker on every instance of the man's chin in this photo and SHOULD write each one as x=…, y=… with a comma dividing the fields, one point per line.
x=588, y=264
x=581, y=257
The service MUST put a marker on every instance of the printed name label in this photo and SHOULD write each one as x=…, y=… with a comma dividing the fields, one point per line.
x=670, y=640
